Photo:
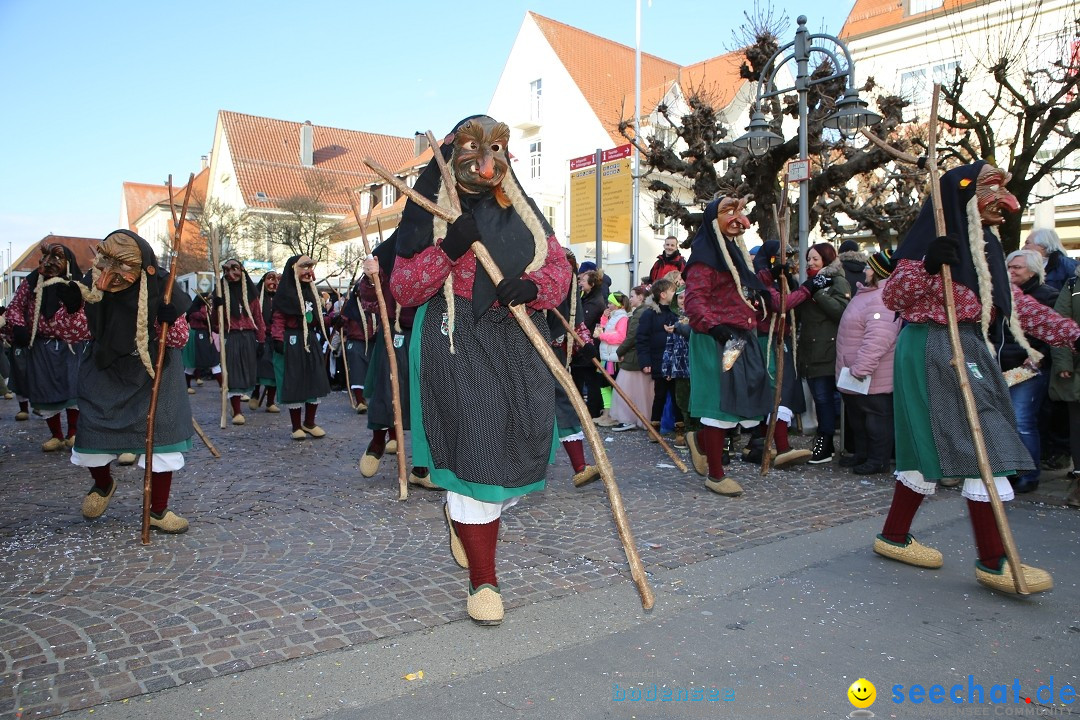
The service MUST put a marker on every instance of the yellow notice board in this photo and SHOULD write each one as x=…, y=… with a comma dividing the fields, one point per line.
x=616, y=187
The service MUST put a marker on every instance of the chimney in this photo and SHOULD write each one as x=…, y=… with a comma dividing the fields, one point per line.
x=420, y=143
x=204, y=162
x=307, y=144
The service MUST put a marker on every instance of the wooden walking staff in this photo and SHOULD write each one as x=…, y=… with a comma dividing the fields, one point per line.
x=979, y=442
x=202, y=436
x=391, y=356
x=781, y=321
x=215, y=258
x=630, y=403
x=607, y=474
x=159, y=364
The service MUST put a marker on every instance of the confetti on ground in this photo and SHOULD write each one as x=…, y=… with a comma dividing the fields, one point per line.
x=418, y=675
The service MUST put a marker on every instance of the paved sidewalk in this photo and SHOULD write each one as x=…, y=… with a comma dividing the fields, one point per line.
x=292, y=554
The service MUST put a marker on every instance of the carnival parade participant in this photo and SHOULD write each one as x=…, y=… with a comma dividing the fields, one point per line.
x=378, y=387
x=124, y=309
x=200, y=354
x=266, y=387
x=725, y=301
x=483, y=401
x=932, y=442
x=46, y=319
x=299, y=365
x=243, y=333
x=359, y=328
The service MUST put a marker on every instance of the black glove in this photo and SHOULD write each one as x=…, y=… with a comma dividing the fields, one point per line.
x=279, y=347
x=818, y=282
x=69, y=295
x=460, y=235
x=20, y=336
x=167, y=313
x=777, y=266
x=516, y=291
x=942, y=251
x=722, y=333
x=588, y=351
x=219, y=301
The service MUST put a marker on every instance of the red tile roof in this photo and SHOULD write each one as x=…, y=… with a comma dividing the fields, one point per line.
x=871, y=16
x=140, y=197
x=604, y=72
x=266, y=158
x=83, y=247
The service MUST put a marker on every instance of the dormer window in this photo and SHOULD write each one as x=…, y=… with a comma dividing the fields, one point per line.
x=920, y=6
x=389, y=195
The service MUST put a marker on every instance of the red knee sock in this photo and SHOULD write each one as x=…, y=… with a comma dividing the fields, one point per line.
x=309, y=414
x=54, y=427
x=378, y=442
x=217, y=376
x=271, y=394
x=160, y=484
x=73, y=421
x=358, y=395
x=905, y=503
x=24, y=406
x=294, y=415
x=711, y=440
x=234, y=400
x=479, y=542
x=188, y=379
x=987, y=538
x=575, y=450
x=102, y=477
x=780, y=437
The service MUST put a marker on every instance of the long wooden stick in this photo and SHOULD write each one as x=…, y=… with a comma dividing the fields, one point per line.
x=215, y=256
x=985, y=471
x=202, y=436
x=622, y=393
x=159, y=365
x=607, y=474
x=780, y=339
x=391, y=356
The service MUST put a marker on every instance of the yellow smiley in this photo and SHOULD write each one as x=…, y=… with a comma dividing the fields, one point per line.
x=862, y=693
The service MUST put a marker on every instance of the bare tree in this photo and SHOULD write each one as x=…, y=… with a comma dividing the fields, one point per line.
x=1018, y=109
x=220, y=222
x=703, y=160
x=302, y=223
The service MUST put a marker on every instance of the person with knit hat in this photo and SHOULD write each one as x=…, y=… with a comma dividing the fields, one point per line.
x=299, y=363
x=865, y=341
x=46, y=319
x=933, y=442
x=853, y=260
x=125, y=308
x=611, y=334
x=483, y=406
x=244, y=331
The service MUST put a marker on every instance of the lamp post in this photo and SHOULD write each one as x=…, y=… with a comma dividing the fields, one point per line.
x=851, y=111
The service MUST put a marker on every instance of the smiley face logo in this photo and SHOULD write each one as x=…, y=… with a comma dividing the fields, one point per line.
x=862, y=693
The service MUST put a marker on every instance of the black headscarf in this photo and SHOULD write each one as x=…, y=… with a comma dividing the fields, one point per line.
x=502, y=231
x=267, y=301
x=957, y=190
x=50, y=301
x=286, y=300
x=236, y=293
x=113, y=321
x=705, y=248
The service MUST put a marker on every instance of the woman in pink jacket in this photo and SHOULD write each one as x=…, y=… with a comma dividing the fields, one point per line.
x=865, y=342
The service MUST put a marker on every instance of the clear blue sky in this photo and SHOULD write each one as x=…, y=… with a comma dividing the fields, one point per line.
x=99, y=93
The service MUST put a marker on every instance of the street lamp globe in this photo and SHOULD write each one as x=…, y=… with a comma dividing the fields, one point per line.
x=759, y=139
x=851, y=114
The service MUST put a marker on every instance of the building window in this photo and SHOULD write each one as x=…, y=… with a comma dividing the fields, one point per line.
x=920, y=6
x=365, y=202
x=916, y=84
x=549, y=214
x=666, y=135
x=389, y=195
x=534, y=159
x=535, y=88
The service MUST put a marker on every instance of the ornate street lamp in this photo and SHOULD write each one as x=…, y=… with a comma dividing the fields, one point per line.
x=851, y=111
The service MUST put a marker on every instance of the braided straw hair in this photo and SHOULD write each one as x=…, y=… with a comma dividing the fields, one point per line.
x=38, y=291
x=982, y=272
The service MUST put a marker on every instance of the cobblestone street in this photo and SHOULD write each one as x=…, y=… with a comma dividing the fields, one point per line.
x=292, y=553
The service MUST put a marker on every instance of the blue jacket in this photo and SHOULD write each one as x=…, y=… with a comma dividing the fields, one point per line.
x=651, y=336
